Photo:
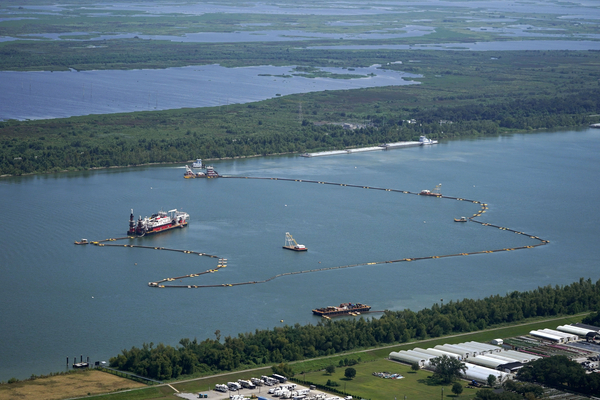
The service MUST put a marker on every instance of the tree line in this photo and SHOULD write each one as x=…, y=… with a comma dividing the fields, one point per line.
x=78, y=150
x=291, y=343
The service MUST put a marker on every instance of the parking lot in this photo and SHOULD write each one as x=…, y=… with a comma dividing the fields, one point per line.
x=259, y=391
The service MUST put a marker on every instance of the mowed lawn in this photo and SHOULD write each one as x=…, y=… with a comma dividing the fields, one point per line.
x=414, y=386
x=67, y=386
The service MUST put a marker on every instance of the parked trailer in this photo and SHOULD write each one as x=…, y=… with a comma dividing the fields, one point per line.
x=256, y=381
x=234, y=386
x=221, y=388
x=280, y=378
x=246, y=384
x=269, y=381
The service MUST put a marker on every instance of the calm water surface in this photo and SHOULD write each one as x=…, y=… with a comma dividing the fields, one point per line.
x=64, y=300
x=41, y=95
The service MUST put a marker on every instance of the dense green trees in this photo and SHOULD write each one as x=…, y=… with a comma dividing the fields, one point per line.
x=125, y=140
x=290, y=343
x=457, y=388
x=592, y=319
x=447, y=369
x=350, y=373
x=559, y=371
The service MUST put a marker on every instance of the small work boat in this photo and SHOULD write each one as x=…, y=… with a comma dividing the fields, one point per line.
x=461, y=219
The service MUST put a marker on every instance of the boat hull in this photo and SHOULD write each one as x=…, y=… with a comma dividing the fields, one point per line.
x=335, y=311
x=159, y=229
x=295, y=248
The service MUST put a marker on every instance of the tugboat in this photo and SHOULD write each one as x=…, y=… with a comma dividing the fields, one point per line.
x=343, y=309
x=461, y=219
x=159, y=222
x=424, y=141
x=198, y=163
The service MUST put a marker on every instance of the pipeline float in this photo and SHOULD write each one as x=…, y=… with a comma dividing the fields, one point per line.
x=222, y=262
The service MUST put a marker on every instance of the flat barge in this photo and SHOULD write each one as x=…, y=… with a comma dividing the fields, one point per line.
x=291, y=244
x=343, y=309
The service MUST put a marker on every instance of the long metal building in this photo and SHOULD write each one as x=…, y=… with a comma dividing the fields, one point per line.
x=439, y=353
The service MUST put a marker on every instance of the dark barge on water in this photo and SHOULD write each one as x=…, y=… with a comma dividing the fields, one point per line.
x=343, y=309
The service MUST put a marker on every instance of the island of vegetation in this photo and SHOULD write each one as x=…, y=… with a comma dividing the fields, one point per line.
x=460, y=94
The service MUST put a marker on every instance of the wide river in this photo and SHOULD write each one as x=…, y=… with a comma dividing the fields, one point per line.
x=60, y=300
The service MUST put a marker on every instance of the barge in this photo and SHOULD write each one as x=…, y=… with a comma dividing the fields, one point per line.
x=210, y=173
x=159, y=222
x=343, y=309
x=291, y=244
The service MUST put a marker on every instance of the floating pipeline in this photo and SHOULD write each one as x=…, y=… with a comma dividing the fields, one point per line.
x=222, y=262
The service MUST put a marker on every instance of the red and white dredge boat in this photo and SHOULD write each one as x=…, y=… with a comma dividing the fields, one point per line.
x=159, y=222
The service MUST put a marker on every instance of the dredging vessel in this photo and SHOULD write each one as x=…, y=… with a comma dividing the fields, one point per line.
x=210, y=173
x=343, y=309
x=159, y=222
x=435, y=192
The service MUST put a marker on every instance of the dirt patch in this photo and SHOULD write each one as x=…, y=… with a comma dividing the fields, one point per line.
x=66, y=386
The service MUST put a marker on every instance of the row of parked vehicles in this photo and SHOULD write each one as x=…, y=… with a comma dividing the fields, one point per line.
x=272, y=380
x=289, y=392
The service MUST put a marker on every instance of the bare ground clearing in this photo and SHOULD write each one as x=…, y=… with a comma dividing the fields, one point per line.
x=66, y=386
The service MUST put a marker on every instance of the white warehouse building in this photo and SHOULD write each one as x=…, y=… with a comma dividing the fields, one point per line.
x=464, y=353
x=486, y=361
x=476, y=350
x=522, y=357
x=491, y=347
x=438, y=353
x=403, y=356
x=480, y=374
x=569, y=337
x=575, y=330
x=547, y=336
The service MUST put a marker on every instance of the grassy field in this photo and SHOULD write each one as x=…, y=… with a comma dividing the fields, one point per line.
x=78, y=384
x=416, y=386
